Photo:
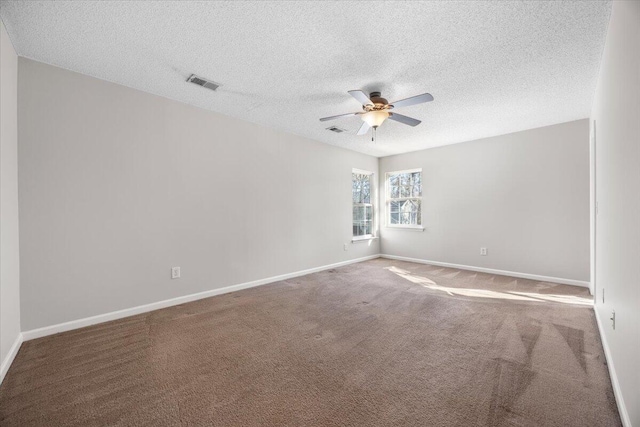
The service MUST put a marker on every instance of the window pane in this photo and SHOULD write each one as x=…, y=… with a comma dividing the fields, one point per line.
x=358, y=213
x=362, y=228
x=417, y=184
x=355, y=188
x=362, y=220
x=409, y=213
x=395, y=218
x=366, y=189
x=368, y=228
x=395, y=206
x=405, y=185
x=369, y=213
x=361, y=188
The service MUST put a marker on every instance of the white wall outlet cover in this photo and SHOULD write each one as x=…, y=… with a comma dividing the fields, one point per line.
x=346, y=247
x=175, y=272
x=613, y=319
x=483, y=251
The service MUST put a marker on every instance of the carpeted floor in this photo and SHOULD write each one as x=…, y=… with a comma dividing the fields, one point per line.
x=379, y=343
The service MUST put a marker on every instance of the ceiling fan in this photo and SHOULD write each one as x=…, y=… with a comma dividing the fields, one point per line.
x=375, y=110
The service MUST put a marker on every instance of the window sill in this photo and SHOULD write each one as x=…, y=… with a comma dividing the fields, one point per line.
x=409, y=228
x=363, y=239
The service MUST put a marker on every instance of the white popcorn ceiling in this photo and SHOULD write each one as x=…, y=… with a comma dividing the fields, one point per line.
x=493, y=67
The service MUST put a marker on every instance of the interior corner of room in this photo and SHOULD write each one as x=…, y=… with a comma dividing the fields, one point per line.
x=139, y=205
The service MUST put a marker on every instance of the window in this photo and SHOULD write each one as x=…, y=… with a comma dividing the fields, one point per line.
x=361, y=190
x=404, y=198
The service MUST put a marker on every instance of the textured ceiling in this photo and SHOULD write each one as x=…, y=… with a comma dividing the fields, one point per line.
x=493, y=67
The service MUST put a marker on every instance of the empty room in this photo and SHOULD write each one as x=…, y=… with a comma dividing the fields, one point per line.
x=320, y=213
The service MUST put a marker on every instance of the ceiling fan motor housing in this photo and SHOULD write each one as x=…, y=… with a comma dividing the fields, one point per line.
x=377, y=99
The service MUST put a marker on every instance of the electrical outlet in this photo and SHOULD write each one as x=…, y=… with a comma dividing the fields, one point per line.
x=175, y=272
x=613, y=319
x=346, y=246
x=483, y=251
x=603, y=295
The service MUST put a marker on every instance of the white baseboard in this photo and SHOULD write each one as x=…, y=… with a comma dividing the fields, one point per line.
x=114, y=315
x=8, y=360
x=622, y=409
x=493, y=271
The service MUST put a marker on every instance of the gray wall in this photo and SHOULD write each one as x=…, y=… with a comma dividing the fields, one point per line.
x=616, y=111
x=524, y=196
x=9, y=248
x=117, y=186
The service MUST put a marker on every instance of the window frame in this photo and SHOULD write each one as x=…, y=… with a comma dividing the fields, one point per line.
x=389, y=199
x=372, y=204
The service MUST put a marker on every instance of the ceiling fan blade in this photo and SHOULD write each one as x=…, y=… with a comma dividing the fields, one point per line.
x=418, y=99
x=404, y=119
x=324, y=119
x=364, y=128
x=361, y=97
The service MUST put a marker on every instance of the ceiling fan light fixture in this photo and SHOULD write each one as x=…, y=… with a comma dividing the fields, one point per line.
x=375, y=118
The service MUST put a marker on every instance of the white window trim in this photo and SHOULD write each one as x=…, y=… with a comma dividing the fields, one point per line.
x=372, y=187
x=359, y=239
x=387, y=207
x=361, y=172
x=406, y=227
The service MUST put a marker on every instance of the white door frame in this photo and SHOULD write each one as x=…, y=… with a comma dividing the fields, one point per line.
x=593, y=216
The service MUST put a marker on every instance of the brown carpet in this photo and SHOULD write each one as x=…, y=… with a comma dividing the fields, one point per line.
x=380, y=343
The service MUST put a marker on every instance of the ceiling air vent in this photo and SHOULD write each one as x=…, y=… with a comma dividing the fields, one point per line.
x=335, y=129
x=203, y=82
